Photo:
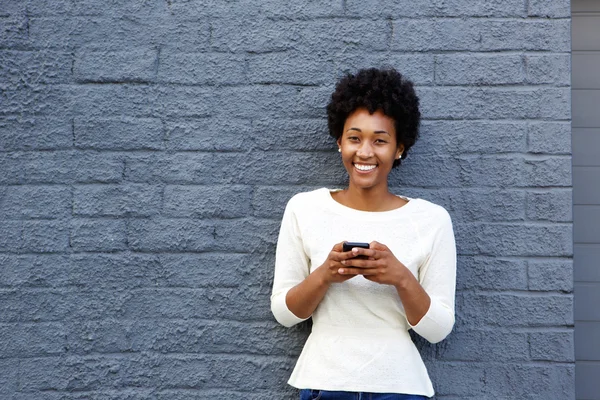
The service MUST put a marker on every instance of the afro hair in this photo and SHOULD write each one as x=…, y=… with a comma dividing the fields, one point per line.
x=377, y=89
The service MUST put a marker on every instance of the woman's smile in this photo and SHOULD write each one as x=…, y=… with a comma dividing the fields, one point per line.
x=364, y=168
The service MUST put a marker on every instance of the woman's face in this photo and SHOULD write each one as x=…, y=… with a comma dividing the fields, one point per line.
x=369, y=148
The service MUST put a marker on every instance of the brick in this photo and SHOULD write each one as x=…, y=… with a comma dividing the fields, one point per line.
x=419, y=68
x=13, y=31
x=35, y=305
x=496, y=239
x=170, y=234
x=549, y=171
x=232, y=235
x=464, y=137
x=480, y=204
x=514, y=310
x=68, y=167
x=270, y=201
x=292, y=134
x=271, y=9
x=254, y=35
x=327, y=36
x=11, y=235
x=455, y=8
x=98, y=235
x=36, y=202
x=135, y=200
x=202, y=337
x=33, y=133
x=198, y=304
x=92, y=304
x=446, y=374
x=106, y=336
x=119, y=134
x=211, y=134
x=31, y=340
x=443, y=171
x=491, y=273
x=202, y=68
x=8, y=377
x=19, y=68
x=494, y=103
x=493, y=171
x=91, y=33
x=479, y=69
x=114, y=271
x=204, y=270
x=48, y=270
x=272, y=100
x=475, y=345
x=550, y=205
x=45, y=236
x=548, y=69
x=480, y=35
x=551, y=275
x=552, y=346
x=549, y=137
x=543, y=381
x=223, y=168
x=133, y=65
x=207, y=201
x=290, y=68
x=553, y=9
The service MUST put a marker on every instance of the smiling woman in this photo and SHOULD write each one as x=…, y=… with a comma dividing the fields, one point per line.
x=364, y=301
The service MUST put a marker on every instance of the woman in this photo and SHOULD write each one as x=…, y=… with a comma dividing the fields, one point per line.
x=364, y=301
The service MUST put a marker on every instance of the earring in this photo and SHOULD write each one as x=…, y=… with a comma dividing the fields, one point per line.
x=339, y=150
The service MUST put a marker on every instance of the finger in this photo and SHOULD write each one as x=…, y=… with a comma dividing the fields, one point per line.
x=359, y=251
x=359, y=263
x=339, y=247
x=378, y=246
x=357, y=271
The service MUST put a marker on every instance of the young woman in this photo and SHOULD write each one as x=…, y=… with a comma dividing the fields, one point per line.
x=364, y=301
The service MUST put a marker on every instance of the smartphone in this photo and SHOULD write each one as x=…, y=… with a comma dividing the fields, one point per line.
x=347, y=246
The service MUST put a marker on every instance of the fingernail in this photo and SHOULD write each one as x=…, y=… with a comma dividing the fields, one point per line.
x=341, y=271
x=343, y=262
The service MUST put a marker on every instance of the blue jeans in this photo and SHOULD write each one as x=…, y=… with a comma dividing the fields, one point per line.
x=308, y=394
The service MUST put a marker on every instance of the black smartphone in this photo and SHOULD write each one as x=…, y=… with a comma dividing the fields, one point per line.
x=347, y=246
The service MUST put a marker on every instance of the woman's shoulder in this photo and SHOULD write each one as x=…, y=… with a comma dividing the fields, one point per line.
x=317, y=196
x=430, y=210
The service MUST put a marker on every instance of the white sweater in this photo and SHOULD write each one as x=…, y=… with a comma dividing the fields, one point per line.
x=359, y=340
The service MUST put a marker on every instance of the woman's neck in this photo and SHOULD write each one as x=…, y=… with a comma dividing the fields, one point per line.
x=373, y=199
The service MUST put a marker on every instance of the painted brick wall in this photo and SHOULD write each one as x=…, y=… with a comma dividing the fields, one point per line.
x=147, y=149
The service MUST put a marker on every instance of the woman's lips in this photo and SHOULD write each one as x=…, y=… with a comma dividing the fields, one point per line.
x=364, y=168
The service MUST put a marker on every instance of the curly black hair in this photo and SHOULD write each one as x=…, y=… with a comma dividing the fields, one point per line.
x=377, y=89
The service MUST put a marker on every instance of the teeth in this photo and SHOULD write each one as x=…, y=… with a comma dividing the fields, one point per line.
x=363, y=167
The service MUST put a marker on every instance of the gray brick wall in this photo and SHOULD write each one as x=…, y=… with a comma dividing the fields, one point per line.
x=147, y=149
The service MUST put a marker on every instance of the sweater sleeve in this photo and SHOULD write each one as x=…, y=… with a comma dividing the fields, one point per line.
x=291, y=266
x=437, y=276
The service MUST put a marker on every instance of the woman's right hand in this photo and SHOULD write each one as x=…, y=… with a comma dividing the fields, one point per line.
x=332, y=264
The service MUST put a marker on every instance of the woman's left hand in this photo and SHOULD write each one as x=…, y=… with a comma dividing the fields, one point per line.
x=380, y=266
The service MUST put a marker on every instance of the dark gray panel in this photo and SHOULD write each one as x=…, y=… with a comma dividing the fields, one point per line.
x=586, y=70
x=585, y=5
x=586, y=185
x=586, y=224
x=585, y=105
x=586, y=146
x=585, y=32
x=587, y=301
x=587, y=262
x=587, y=340
x=587, y=384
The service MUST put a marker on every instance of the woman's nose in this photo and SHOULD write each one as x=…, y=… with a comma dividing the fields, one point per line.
x=365, y=150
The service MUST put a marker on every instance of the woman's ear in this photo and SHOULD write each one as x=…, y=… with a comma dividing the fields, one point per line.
x=399, y=151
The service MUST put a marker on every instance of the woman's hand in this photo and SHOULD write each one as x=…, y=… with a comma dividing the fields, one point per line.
x=383, y=267
x=380, y=265
x=334, y=262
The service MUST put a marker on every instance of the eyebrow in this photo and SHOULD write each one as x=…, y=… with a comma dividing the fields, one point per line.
x=358, y=130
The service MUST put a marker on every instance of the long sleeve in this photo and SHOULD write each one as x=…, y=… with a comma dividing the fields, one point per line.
x=437, y=276
x=291, y=266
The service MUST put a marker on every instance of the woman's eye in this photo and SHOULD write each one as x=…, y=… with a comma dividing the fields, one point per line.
x=353, y=138
x=380, y=141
